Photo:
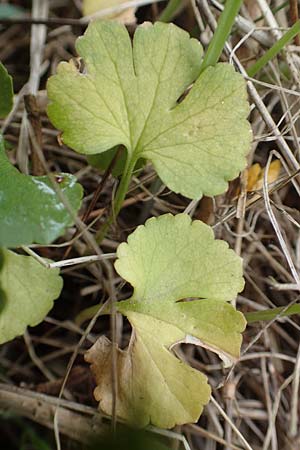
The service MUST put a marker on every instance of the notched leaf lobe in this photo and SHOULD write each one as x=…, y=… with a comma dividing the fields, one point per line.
x=167, y=259
x=129, y=96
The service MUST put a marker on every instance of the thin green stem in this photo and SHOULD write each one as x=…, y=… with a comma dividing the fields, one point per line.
x=221, y=34
x=274, y=50
x=170, y=10
x=119, y=198
x=270, y=314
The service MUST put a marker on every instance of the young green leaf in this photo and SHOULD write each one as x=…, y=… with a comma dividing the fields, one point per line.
x=130, y=95
x=31, y=210
x=182, y=281
x=27, y=291
x=6, y=92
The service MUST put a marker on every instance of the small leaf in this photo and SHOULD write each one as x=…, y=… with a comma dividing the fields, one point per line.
x=182, y=281
x=28, y=291
x=30, y=208
x=256, y=175
x=130, y=95
x=6, y=92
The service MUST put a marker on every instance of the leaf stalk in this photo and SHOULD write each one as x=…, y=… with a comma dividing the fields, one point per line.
x=119, y=198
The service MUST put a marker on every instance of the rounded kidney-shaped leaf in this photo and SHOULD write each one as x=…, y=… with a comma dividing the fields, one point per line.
x=130, y=95
x=27, y=292
x=31, y=210
x=182, y=279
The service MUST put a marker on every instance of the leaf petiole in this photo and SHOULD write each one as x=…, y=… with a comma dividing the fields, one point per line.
x=119, y=198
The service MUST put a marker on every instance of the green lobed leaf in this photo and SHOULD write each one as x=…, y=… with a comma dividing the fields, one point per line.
x=182, y=279
x=28, y=290
x=31, y=210
x=129, y=95
x=6, y=92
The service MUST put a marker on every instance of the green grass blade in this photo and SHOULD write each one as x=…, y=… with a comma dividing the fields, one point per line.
x=270, y=314
x=274, y=50
x=221, y=34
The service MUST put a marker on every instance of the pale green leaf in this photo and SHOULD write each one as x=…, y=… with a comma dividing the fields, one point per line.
x=182, y=279
x=31, y=210
x=6, y=92
x=129, y=95
x=27, y=293
x=171, y=258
